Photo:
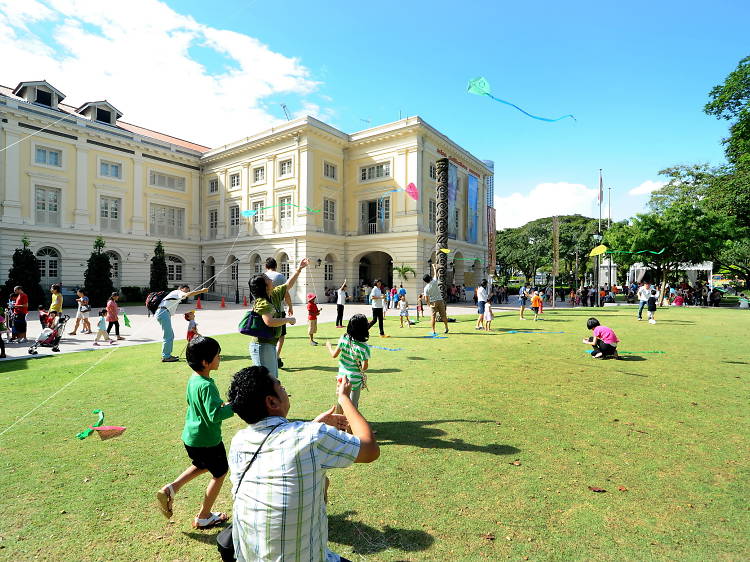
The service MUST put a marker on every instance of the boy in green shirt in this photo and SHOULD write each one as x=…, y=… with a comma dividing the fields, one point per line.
x=202, y=433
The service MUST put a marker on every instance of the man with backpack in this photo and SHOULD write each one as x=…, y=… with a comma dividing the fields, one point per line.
x=162, y=304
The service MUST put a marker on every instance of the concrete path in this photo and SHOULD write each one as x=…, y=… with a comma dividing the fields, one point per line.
x=212, y=320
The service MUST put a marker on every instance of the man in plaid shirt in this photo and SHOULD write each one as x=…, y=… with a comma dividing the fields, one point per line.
x=279, y=506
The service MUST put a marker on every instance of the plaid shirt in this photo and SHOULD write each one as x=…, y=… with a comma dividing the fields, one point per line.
x=279, y=513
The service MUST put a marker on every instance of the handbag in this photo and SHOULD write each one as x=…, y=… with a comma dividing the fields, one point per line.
x=224, y=540
x=252, y=324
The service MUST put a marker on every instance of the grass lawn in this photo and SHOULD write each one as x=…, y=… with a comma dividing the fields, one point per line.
x=666, y=434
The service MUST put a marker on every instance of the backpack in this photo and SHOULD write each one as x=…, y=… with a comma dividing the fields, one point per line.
x=153, y=300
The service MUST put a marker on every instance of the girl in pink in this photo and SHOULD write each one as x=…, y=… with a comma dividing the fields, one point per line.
x=112, y=315
x=604, y=341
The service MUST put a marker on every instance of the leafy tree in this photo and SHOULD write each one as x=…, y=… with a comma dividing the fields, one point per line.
x=25, y=272
x=404, y=271
x=734, y=258
x=97, y=279
x=158, y=281
x=731, y=101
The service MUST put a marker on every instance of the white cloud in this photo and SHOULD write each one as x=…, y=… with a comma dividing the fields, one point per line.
x=136, y=55
x=647, y=187
x=544, y=200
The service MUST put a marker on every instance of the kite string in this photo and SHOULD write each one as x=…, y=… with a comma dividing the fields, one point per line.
x=527, y=113
x=34, y=133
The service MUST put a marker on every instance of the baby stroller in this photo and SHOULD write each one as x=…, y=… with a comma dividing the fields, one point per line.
x=50, y=337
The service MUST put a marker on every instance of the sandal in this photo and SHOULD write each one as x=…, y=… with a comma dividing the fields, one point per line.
x=165, y=497
x=215, y=519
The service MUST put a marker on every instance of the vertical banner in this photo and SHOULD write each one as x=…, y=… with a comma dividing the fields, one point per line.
x=472, y=213
x=491, y=243
x=441, y=221
x=452, y=192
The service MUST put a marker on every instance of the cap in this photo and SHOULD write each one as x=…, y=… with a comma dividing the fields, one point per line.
x=311, y=296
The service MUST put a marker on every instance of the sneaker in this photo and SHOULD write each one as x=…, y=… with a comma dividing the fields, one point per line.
x=96, y=343
x=477, y=327
x=313, y=343
x=384, y=336
x=652, y=321
x=639, y=319
x=446, y=331
x=280, y=363
x=112, y=342
x=170, y=359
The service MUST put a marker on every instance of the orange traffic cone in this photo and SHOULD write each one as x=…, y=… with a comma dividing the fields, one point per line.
x=244, y=301
x=198, y=304
x=223, y=304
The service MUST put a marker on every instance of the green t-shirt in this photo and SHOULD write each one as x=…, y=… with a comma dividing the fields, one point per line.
x=205, y=412
x=273, y=306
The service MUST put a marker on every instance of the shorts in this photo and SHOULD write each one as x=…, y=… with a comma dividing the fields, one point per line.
x=439, y=308
x=213, y=459
x=403, y=313
x=480, y=307
x=81, y=314
x=523, y=301
x=312, y=326
x=535, y=309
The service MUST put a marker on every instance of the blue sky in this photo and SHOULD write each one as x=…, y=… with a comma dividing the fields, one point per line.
x=636, y=76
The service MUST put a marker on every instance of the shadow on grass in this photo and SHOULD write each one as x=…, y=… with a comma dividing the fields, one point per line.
x=425, y=359
x=675, y=322
x=632, y=374
x=225, y=357
x=22, y=364
x=327, y=368
x=733, y=362
x=419, y=434
x=365, y=539
x=632, y=358
x=205, y=537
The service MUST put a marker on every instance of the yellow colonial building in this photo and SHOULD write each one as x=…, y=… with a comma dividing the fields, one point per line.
x=71, y=173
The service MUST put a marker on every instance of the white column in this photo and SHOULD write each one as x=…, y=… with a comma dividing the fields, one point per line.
x=223, y=186
x=304, y=184
x=138, y=221
x=195, y=221
x=12, y=202
x=81, y=211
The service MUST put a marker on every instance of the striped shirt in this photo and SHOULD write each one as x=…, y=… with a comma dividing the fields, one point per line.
x=353, y=353
x=279, y=511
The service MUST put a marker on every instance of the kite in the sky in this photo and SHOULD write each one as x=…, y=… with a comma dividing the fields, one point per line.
x=598, y=251
x=481, y=87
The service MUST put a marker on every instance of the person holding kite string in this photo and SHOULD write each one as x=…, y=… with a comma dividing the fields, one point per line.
x=164, y=318
x=269, y=304
x=604, y=341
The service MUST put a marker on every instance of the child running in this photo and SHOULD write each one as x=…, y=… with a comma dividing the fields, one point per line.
x=312, y=317
x=403, y=311
x=536, y=305
x=652, y=307
x=202, y=433
x=192, y=330
x=488, y=317
x=604, y=341
x=101, y=329
x=354, y=354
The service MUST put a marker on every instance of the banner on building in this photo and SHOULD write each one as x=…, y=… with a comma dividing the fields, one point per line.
x=472, y=211
x=452, y=192
x=491, y=233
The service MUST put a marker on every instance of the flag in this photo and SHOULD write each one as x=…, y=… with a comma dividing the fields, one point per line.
x=126, y=320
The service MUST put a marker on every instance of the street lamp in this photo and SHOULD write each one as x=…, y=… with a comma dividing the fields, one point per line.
x=236, y=267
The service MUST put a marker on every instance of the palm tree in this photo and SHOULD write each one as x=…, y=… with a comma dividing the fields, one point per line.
x=404, y=271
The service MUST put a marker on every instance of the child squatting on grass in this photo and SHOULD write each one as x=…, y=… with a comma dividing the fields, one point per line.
x=604, y=341
x=354, y=354
x=202, y=433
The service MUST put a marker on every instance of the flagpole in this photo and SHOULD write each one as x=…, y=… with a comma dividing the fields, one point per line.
x=609, y=224
x=599, y=239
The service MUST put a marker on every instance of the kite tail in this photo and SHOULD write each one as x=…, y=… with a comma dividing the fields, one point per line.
x=529, y=114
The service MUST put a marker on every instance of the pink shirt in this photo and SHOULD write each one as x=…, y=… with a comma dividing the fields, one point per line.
x=112, y=310
x=606, y=335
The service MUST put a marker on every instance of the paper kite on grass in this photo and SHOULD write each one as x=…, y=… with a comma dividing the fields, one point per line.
x=481, y=87
x=125, y=319
x=103, y=431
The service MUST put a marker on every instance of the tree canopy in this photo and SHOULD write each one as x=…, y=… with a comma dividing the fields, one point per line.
x=731, y=101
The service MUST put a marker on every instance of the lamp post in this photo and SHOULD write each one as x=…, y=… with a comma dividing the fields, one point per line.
x=598, y=240
x=236, y=267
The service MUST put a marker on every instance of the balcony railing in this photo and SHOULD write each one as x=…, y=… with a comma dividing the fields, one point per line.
x=373, y=227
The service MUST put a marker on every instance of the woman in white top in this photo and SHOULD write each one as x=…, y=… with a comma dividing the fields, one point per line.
x=481, y=303
x=341, y=297
x=164, y=317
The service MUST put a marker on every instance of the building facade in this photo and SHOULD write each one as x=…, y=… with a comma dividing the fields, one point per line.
x=69, y=174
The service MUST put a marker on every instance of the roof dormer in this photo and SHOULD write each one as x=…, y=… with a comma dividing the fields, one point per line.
x=41, y=92
x=101, y=111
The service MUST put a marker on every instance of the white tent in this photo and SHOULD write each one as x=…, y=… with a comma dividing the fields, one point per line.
x=638, y=270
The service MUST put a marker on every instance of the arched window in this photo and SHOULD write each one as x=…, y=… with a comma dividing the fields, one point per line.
x=114, y=261
x=174, y=268
x=49, y=265
x=284, y=265
x=328, y=270
x=257, y=265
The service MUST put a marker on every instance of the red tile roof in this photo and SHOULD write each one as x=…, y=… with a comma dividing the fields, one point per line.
x=156, y=135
